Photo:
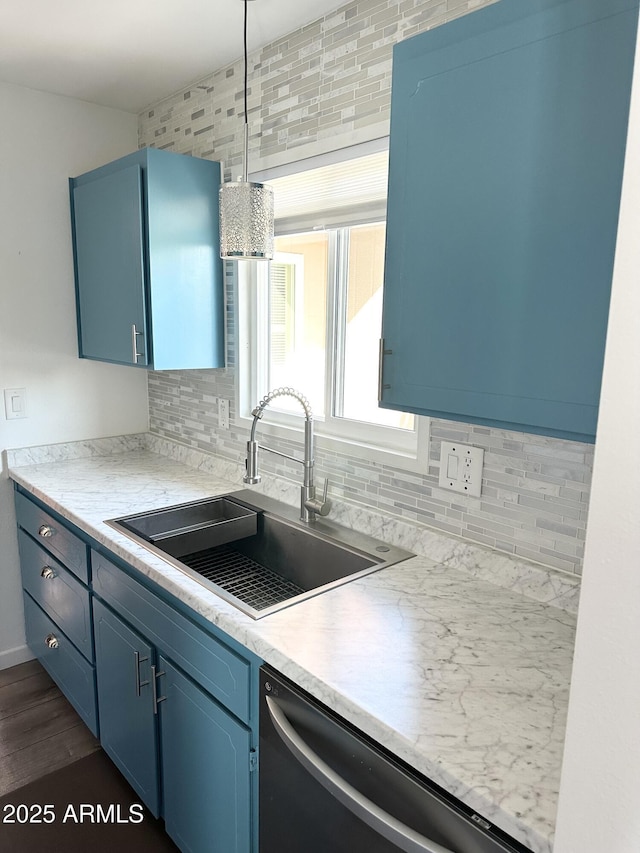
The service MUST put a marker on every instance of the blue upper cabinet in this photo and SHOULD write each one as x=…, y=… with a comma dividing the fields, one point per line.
x=149, y=282
x=508, y=132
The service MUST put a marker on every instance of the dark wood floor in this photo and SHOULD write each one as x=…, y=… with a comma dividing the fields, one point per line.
x=39, y=730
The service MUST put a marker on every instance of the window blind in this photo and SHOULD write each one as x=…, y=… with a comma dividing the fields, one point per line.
x=282, y=310
x=345, y=193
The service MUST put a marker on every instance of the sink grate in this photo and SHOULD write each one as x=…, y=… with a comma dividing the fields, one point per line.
x=242, y=577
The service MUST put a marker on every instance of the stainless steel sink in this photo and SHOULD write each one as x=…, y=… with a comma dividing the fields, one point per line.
x=254, y=552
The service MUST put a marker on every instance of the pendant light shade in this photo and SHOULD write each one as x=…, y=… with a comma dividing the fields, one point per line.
x=246, y=221
x=246, y=208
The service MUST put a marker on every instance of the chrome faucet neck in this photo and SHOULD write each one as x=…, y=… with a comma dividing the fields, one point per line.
x=310, y=506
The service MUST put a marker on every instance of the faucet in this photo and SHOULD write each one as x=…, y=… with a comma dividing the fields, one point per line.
x=310, y=505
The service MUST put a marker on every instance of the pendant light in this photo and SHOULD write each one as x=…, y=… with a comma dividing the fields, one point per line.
x=246, y=208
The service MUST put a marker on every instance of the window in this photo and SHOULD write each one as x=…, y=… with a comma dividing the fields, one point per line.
x=312, y=317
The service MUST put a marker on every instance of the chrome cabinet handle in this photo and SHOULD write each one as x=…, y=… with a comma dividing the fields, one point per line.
x=51, y=641
x=45, y=531
x=381, y=354
x=134, y=344
x=47, y=573
x=154, y=688
x=378, y=819
x=138, y=660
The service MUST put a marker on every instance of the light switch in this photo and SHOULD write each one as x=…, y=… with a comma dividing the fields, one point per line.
x=15, y=403
x=461, y=468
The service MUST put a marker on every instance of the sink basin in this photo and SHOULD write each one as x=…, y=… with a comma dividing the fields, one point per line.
x=254, y=552
x=192, y=527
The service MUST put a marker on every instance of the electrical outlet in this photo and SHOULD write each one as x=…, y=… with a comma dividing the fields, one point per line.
x=223, y=413
x=461, y=468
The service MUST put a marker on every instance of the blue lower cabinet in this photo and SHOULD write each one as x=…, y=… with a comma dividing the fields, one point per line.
x=173, y=700
x=205, y=769
x=55, y=580
x=125, y=701
x=59, y=593
x=72, y=673
x=182, y=738
x=221, y=672
x=50, y=533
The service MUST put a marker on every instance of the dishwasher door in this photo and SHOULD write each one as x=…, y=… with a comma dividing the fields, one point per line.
x=324, y=788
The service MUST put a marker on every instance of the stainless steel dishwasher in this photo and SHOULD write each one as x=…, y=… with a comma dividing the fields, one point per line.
x=325, y=788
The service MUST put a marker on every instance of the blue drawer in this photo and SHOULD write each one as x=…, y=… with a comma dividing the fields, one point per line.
x=64, y=663
x=53, y=536
x=58, y=592
x=220, y=671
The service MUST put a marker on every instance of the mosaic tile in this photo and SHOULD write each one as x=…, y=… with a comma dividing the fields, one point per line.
x=322, y=82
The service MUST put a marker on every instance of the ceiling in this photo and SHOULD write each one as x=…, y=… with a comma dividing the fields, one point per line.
x=131, y=53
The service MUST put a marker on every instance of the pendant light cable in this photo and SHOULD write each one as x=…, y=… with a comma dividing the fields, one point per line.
x=246, y=62
x=246, y=207
x=245, y=153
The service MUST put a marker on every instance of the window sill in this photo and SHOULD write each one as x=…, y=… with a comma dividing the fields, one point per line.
x=405, y=460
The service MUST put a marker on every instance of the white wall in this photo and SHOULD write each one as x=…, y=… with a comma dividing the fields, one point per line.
x=46, y=139
x=600, y=786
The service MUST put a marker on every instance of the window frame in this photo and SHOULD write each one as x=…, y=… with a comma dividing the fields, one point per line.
x=404, y=449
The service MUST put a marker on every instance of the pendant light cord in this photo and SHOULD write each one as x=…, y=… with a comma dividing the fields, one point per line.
x=245, y=170
x=246, y=62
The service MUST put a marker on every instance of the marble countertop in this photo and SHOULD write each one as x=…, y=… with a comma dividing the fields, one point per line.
x=464, y=680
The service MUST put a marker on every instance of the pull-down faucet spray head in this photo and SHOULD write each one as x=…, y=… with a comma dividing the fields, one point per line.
x=310, y=506
x=252, y=476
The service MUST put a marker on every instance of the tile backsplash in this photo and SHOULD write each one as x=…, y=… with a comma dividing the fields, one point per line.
x=325, y=85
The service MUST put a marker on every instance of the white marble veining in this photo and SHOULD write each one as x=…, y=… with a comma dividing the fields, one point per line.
x=75, y=450
x=541, y=583
x=464, y=680
x=535, y=581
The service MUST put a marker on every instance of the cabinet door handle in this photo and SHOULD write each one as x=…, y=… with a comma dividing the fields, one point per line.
x=47, y=573
x=138, y=660
x=381, y=354
x=45, y=531
x=51, y=641
x=154, y=688
x=134, y=344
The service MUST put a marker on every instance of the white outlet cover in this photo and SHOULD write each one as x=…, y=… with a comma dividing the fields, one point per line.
x=223, y=413
x=461, y=468
x=15, y=403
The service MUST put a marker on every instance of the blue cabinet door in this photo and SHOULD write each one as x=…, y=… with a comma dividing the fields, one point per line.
x=149, y=279
x=508, y=132
x=128, y=729
x=185, y=271
x=109, y=255
x=205, y=769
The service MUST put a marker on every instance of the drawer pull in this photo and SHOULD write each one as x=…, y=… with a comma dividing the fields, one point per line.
x=51, y=641
x=45, y=531
x=47, y=573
